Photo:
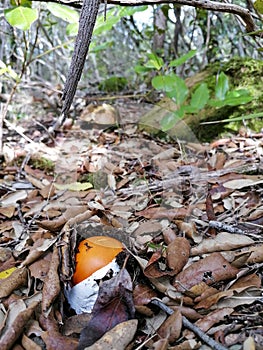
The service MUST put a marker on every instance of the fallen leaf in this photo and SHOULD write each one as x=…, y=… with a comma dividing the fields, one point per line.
x=159, y=213
x=74, y=186
x=17, y=279
x=222, y=241
x=241, y=183
x=51, y=287
x=142, y=295
x=211, y=269
x=118, y=338
x=171, y=328
x=29, y=344
x=178, y=252
x=11, y=333
x=53, y=339
x=213, y=318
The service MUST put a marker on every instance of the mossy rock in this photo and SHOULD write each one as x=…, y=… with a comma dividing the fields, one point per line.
x=243, y=74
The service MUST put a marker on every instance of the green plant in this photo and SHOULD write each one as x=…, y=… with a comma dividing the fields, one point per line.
x=186, y=101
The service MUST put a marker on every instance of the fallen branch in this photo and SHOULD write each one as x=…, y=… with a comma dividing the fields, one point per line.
x=187, y=324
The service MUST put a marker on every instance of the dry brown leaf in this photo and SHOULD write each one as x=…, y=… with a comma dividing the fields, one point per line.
x=178, y=252
x=242, y=285
x=213, y=318
x=211, y=269
x=168, y=235
x=51, y=287
x=222, y=241
x=38, y=249
x=57, y=224
x=161, y=344
x=171, y=328
x=142, y=295
x=190, y=231
x=29, y=344
x=17, y=326
x=188, y=312
x=249, y=344
x=8, y=211
x=252, y=180
x=256, y=255
x=17, y=279
x=39, y=268
x=56, y=341
x=53, y=339
x=75, y=323
x=117, y=338
x=159, y=213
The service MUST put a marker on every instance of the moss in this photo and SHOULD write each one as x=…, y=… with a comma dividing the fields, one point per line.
x=243, y=73
x=113, y=84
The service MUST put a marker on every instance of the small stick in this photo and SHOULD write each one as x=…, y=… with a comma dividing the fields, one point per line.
x=221, y=226
x=208, y=340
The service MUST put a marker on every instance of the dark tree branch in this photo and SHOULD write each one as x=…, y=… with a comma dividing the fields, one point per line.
x=203, y=4
x=88, y=15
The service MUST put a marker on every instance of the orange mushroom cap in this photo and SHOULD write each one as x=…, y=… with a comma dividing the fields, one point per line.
x=93, y=254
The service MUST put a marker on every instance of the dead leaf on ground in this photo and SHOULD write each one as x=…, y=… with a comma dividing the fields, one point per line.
x=17, y=279
x=142, y=295
x=118, y=338
x=20, y=316
x=177, y=252
x=171, y=328
x=211, y=269
x=51, y=287
x=222, y=241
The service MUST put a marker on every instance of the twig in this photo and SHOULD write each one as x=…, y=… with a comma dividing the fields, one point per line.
x=221, y=226
x=209, y=341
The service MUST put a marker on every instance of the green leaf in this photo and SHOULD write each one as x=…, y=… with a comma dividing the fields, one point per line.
x=104, y=26
x=230, y=101
x=169, y=121
x=154, y=62
x=131, y=10
x=179, y=92
x=64, y=12
x=163, y=83
x=97, y=48
x=200, y=97
x=259, y=6
x=222, y=86
x=141, y=69
x=21, y=17
x=181, y=60
x=72, y=29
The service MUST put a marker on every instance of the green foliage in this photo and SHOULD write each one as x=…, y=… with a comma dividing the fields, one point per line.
x=182, y=59
x=222, y=86
x=113, y=84
x=259, y=6
x=21, y=17
x=187, y=102
x=66, y=14
x=8, y=71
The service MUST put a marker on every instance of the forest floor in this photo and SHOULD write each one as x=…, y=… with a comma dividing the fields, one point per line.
x=190, y=216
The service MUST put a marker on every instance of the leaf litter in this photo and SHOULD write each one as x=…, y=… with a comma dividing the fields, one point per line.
x=189, y=215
